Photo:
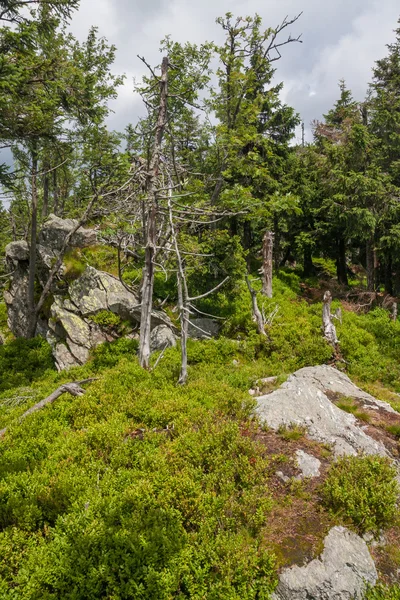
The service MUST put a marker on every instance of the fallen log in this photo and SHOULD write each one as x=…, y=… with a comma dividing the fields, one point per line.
x=73, y=388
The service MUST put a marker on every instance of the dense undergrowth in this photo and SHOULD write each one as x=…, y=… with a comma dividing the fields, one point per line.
x=145, y=489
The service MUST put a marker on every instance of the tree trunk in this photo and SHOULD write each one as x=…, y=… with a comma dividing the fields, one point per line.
x=151, y=234
x=31, y=329
x=341, y=266
x=389, y=275
x=267, y=255
x=45, y=206
x=276, y=248
x=327, y=323
x=257, y=316
x=371, y=263
x=308, y=266
x=55, y=192
x=393, y=314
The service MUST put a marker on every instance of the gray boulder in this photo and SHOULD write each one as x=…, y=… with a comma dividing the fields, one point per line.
x=308, y=465
x=341, y=573
x=55, y=230
x=17, y=251
x=162, y=337
x=73, y=326
x=203, y=329
x=63, y=357
x=301, y=400
x=16, y=301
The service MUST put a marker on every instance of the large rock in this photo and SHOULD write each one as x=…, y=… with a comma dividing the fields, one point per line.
x=203, y=329
x=55, y=230
x=74, y=327
x=162, y=337
x=301, y=400
x=16, y=301
x=341, y=573
x=17, y=251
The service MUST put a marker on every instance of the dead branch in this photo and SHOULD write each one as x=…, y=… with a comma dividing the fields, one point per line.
x=73, y=388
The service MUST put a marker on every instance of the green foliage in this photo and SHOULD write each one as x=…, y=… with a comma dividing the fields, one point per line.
x=74, y=266
x=109, y=353
x=383, y=592
x=363, y=491
x=22, y=361
x=112, y=323
x=99, y=499
x=349, y=406
x=291, y=432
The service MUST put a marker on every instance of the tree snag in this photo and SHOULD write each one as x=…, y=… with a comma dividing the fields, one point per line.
x=257, y=315
x=327, y=320
x=151, y=229
x=266, y=269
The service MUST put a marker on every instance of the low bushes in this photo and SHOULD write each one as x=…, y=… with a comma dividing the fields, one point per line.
x=363, y=491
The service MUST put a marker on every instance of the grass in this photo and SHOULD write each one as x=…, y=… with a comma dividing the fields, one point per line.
x=349, y=406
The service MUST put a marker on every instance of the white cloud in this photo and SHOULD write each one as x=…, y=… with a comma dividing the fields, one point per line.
x=341, y=39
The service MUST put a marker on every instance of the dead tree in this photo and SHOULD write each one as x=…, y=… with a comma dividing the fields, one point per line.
x=393, y=314
x=267, y=258
x=327, y=320
x=257, y=315
x=151, y=229
x=185, y=302
x=73, y=388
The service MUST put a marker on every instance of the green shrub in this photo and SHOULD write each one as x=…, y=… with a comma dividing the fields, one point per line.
x=106, y=319
x=110, y=353
x=22, y=361
x=383, y=592
x=362, y=490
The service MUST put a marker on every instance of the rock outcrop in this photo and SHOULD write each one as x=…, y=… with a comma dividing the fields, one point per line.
x=341, y=573
x=302, y=400
x=71, y=327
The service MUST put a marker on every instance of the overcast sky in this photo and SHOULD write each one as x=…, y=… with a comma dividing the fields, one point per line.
x=341, y=39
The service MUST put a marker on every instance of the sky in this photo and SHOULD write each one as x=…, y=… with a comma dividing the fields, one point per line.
x=341, y=39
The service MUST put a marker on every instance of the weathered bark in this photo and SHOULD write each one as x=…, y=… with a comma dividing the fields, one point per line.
x=151, y=240
x=74, y=389
x=45, y=206
x=341, y=266
x=55, y=193
x=257, y=316
x=31, y=329
x=267, y=256
x=393, y=314
x=327, y=320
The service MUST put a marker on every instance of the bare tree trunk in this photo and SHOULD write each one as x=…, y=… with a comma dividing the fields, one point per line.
x=257, y=316
x=267, y=254
x=31, y=329
x=45, y=207
x=393, y=314
x=327, y=320
x=148, y=270
x=55, y=192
